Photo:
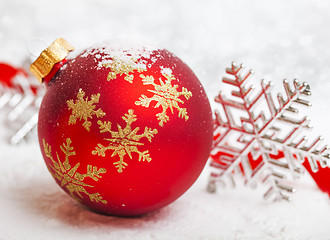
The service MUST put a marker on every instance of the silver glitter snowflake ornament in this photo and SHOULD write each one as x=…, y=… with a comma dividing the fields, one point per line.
x=20, y=98
x=263, y=139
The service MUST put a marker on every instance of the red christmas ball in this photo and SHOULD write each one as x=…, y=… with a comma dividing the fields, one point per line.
x=125, y=130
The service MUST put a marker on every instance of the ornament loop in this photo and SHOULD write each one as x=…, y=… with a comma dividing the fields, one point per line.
x=55, y=53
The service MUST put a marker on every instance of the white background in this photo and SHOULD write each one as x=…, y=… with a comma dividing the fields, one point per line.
x=278, y=39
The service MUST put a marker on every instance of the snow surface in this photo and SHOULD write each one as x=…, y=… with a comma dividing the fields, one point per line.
x=278, y=39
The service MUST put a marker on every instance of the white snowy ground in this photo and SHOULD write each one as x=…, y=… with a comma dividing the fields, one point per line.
x=278, y=39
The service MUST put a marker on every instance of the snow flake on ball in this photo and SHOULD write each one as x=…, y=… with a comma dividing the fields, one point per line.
x=120, y=66
x=125, y=141
x=122, y=59
x=166, y=95
x=69, y=177
x=83, y=109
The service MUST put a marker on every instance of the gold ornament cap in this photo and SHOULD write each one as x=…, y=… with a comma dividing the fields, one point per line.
x=55, y=53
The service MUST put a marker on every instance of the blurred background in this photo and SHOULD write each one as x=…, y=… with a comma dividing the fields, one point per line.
x=277, y=39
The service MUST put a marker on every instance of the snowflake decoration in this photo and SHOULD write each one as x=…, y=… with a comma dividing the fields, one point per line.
x=84, y=109
x=69, y=176
x=124, y=66
x=165, y=96
x=20, y=99
x=263, y=143
x=124, y=141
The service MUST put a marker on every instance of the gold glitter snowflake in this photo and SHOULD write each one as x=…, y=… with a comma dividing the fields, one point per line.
x=123, y=66
x=84, y=109
x=124, y=141
x=166, y=95
x=68, y=175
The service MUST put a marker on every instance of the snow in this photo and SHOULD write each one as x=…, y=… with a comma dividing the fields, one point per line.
x=277, y=39
x=125, y=52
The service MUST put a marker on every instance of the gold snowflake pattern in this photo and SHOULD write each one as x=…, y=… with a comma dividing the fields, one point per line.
x=124, y=141
x=166, y=95
x=84, y=109
x=69, y=176
x=123, y=66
